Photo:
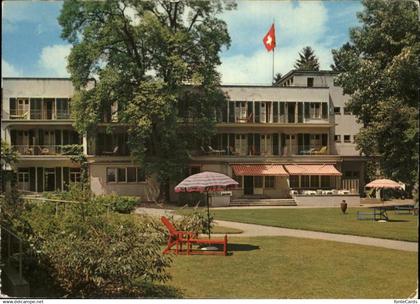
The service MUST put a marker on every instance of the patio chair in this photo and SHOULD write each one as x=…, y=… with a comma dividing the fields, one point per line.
x=177, y=238
x=211, y=150
x=113, y=152
x=323, y=150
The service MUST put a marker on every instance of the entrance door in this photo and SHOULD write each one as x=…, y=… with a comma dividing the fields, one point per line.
x=49, y=179
x=248, y=185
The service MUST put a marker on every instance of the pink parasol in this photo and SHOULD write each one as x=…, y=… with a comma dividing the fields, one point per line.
x=205, y=182
x=383, y=183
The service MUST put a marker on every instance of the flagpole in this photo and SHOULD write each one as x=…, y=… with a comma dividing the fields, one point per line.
x=272, y=74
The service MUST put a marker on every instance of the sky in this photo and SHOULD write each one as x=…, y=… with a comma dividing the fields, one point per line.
x=32, y=46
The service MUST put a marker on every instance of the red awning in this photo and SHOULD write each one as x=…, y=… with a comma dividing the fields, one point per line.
x=326, y=170
x=259, y=170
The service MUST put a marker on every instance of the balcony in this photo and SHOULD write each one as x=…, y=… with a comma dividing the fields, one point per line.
x=262, y=151
x=48, y=149
x=36, y=114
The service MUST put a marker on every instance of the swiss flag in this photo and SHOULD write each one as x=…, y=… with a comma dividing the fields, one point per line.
x=270, y=39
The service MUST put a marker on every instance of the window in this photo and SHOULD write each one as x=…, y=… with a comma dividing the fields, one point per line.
x=325, y=182
x=314, y=181
x=347, y=111
x=111, y=175
x=131, y=174
x=346, y=138
x=121, y=175
x=337, y=138
x=258, y=181
x=310, y=82
x=269, y=181
x=313, y=109
x=337, y=110
x=294, y=181
x=75, y=175
x=351, y=174
x=304, y=181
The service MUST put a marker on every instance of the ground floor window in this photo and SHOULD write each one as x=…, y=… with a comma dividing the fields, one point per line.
x=258, y=181
x=75, y=175
x=294, y=181
x=125, y=175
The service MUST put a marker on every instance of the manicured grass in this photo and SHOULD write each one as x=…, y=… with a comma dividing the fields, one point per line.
x=283, y=267
x=400, y=226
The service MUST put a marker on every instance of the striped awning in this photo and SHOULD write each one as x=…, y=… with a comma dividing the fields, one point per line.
x=259, y=170
x=325, y=170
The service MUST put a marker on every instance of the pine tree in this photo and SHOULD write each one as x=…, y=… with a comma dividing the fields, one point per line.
x=307, y=61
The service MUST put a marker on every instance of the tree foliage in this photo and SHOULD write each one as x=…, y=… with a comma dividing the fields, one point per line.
x=8, y=155
x=88, y=251
x=307, y=60
x=148, y=56
x=380, y=69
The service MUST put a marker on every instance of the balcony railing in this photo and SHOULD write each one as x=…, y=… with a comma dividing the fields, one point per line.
x=249, y=151
x=37, y=114
x=46, y=149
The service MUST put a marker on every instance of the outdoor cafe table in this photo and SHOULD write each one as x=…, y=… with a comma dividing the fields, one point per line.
x=379, y=210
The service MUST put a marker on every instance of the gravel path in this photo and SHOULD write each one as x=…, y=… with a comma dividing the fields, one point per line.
x=252, y=230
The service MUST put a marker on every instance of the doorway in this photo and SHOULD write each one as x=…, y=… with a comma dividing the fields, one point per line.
x=248, y=185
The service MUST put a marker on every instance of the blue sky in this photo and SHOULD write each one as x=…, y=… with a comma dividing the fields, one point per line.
x=32, y=46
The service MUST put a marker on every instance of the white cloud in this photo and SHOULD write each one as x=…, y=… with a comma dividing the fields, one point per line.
x=9, y=70
x=53, y=60
x=298, y=24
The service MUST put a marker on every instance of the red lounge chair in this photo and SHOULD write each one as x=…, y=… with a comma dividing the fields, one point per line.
x=177, y=238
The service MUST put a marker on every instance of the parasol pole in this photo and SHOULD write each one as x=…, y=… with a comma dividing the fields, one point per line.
x=208, y=214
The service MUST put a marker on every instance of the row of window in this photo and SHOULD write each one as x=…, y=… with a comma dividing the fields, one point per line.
x=346, y=138
x=347, y=111
x=124, y=175
x=267, y=182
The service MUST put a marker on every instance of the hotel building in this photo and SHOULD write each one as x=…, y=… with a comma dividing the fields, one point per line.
x=294, y=137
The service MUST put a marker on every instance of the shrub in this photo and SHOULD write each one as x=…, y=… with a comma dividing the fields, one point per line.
x=120, y=204
x=99, y=255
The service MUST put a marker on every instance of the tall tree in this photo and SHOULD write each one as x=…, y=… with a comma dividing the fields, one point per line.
x=277, y=77
x=380, y=70
x=307, y=61
x=143, y=54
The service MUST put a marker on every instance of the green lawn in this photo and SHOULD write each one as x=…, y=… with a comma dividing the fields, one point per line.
x=283, y=267
x=400, y=227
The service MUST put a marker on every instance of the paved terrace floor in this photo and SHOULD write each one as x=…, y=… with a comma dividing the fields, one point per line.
x=252, y=230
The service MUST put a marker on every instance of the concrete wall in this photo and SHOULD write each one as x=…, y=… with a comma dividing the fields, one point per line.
x=36, y=87
x=251, y=93
x=99, y=185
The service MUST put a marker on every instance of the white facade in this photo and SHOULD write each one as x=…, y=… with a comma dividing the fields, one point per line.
x=287, y=123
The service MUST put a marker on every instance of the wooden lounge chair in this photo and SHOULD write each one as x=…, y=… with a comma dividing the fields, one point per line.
x=178, y=238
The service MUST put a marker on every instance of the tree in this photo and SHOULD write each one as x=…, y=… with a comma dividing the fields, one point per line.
x=8, y=157
x=150, y=57
x=380, y=69
x=307, y=61
x=277, y=77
